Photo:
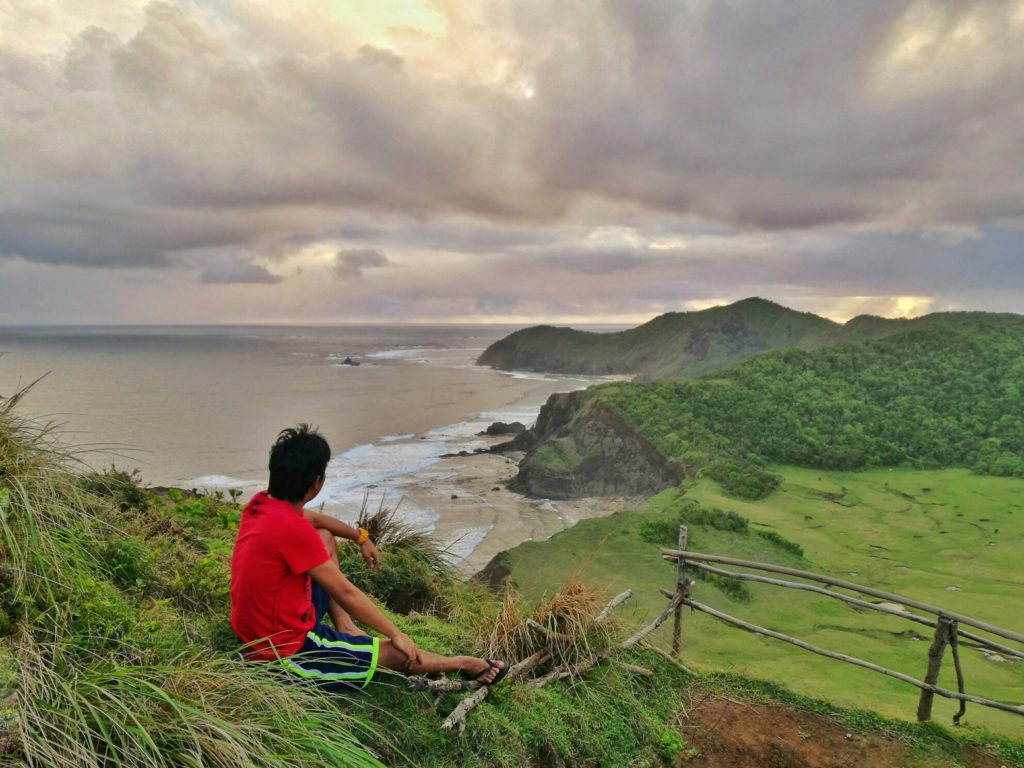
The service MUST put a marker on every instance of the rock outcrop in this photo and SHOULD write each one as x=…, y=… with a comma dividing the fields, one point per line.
x=522, y=442
x=505, y=428
x=493, y=574
x=581, y=448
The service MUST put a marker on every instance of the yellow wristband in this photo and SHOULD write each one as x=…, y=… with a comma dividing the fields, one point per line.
x=364, y=535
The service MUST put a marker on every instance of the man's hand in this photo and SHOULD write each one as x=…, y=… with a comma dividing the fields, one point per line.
x=370, y=554
x=407, y=647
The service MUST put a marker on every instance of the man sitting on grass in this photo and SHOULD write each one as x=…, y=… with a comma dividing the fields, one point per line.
x=285, y=578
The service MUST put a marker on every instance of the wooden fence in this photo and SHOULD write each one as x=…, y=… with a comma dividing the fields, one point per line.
x=947, y=624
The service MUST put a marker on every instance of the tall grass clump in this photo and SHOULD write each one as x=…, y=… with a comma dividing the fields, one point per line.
x=393, y=535
x=78, y=710
x=507, y=636
x=38, y=496
x=104, y=674
x=415, y=567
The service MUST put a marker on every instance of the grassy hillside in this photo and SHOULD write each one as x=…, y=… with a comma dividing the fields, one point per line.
x=946, y=537
x=691, y=344
x=114, y=650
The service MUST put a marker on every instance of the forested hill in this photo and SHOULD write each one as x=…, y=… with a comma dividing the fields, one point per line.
x=676, y=344
x=691, y=344
x=944, y=393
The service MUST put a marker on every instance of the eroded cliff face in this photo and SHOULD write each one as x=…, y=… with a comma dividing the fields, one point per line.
x=582, y=448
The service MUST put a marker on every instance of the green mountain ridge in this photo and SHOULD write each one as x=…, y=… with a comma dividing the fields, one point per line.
x=690, y=344
x=945, y=392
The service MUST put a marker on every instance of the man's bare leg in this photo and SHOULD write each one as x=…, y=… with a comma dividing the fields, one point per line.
x=434, y=663
x=339, y=616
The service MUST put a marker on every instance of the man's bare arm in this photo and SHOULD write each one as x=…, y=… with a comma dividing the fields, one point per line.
x=344, y=531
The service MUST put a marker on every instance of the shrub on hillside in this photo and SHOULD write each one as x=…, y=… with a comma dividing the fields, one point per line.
x=782, y=542
x=946, y=394
x=124, y=488
x=743, y=479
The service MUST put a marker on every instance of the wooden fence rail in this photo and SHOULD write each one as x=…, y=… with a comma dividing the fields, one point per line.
x=933, y=623
x=946, y=623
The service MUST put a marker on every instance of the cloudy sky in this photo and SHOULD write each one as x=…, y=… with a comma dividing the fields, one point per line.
x=201, y=161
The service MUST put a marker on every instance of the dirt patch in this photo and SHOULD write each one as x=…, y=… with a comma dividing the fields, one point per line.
x=730, y=734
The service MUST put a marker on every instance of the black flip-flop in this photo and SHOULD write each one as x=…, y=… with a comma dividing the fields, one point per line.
x=491, y=664
x=502, y=671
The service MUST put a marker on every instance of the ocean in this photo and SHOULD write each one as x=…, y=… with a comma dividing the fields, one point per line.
x=199, y=407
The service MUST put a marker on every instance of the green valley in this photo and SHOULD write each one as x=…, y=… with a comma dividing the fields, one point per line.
x=946, y=537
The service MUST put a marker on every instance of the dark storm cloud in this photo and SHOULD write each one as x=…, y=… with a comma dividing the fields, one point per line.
x=231, y=270
x=201, y=130
x=349, y=264
x=766, y=114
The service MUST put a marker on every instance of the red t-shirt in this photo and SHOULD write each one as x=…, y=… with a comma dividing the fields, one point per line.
x=270, y=589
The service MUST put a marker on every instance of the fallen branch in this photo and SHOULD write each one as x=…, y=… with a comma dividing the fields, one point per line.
x=614, y=603
x=640, y=634
x=457, y=718
x=416, y=683
x=668, y=657
x=634, y=669
x=550, y=634
x=527, y=664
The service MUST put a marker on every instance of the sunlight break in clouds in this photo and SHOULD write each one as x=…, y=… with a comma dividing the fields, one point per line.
x=846, y=307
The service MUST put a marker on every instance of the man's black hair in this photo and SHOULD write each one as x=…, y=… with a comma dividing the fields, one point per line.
x=297, y=460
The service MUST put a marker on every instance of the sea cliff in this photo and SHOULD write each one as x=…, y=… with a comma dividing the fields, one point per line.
x=582, y=448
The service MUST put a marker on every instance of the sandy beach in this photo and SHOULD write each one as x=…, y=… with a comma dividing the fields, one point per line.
x=480, y=517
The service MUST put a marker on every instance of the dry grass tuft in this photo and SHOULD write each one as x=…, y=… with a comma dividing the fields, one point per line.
x=507, y=636
x=568, y=624
x=564, y=625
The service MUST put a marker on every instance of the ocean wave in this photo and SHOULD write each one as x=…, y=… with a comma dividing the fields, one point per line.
x=405, y=353
x=371, y=464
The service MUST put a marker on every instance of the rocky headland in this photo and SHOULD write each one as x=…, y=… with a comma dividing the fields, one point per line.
x=579, y=447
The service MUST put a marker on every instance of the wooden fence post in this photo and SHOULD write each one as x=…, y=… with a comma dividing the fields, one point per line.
x=938, y=647
x=682, y=588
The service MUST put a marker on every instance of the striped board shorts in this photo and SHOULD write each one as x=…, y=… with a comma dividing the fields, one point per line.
x=331, y=658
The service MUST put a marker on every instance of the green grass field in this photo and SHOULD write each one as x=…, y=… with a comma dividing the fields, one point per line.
x=944, y=537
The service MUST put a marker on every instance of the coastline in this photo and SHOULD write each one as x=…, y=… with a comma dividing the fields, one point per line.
x=461, y=499
x=479, y=517
x=198, y=409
